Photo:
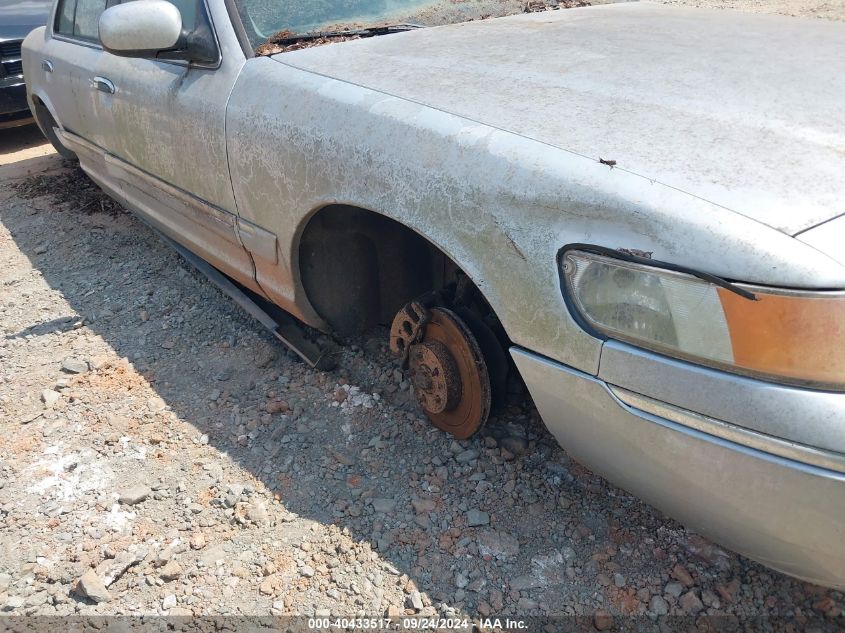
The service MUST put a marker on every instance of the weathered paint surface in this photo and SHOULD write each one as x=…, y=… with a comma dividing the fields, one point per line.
x=743, y=110
x=499, y=204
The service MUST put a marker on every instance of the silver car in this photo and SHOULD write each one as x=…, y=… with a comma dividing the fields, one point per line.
x=637, y=210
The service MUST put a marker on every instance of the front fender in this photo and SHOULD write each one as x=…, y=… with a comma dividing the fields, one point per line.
x=498, y=204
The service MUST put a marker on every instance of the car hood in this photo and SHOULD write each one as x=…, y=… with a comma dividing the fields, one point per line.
x=19, y=17
x=742, y=110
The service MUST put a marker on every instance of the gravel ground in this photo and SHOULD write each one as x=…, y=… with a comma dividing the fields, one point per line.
x=162, y=454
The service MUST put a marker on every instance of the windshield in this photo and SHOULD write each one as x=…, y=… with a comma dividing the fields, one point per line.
x=263, y=19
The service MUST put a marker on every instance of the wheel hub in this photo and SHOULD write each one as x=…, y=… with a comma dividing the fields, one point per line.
x=446, y=366
x=436, y=379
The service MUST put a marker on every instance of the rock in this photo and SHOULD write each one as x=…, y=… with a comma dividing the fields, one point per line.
x=197, y=540
x=680, y=574
x=257, y=512
x=690, y=603
x=477, y=518
x=277, y=406
x=710, y=599
x=307, y=571
x=74, y=366
x=423, y=506
x=171, y=571
x=708, y=552
x=270, y=585
x=423, y=521
x=50, y=397
x=32, y=417
x=521, y=583
x=91, y=586
x=728, y=591
x=169, y=602
x=658, y=606
x=618, y=580
x=461, y=581
x=497, y=544
x=134, y=495
x=13, y=602
x=214, y=554
x=278, y=607
x=414, y=601
x=602, y=620
x=394, y=612
x=342, y=458
x=113, y=568
x=467, y=456
x=180, y=612
x=526, y=604
x=163, y=557
x=674, y=589
x=383, y=506
x=514, y=444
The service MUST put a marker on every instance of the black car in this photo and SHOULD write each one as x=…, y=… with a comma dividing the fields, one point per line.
x=17, y=19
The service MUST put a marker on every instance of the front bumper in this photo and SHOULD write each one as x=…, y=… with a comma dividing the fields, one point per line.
x=14, y=107
x=785, y=513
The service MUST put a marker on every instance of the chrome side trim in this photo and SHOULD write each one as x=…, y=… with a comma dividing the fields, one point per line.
x=803, y=416
x=711, y=426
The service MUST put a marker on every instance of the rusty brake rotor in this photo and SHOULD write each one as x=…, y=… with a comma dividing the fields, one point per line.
x=447, y=368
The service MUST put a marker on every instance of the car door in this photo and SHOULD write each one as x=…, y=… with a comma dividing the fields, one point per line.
x=71, y=54
x=166, y=142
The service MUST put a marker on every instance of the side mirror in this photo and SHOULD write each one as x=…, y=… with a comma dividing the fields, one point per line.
x=143, y=28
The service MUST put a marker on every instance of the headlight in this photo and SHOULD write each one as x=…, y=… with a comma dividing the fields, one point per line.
x=789, y=336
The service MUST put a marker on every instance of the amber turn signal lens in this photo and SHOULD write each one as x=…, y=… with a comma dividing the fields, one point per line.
x=799, y=336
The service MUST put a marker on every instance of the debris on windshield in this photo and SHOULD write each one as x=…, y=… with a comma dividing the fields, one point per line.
x=536, y=6
x=289, y=41
x=285, y=41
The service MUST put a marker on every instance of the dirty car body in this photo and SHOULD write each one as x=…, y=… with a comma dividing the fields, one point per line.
x=650, y=200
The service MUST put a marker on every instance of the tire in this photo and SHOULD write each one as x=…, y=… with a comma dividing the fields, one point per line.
x=46, y=123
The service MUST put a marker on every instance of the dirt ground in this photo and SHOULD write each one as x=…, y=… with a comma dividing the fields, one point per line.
x=161, y=454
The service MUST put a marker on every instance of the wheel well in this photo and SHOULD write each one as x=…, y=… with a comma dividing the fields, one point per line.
x=47, y=122
x=358, y=268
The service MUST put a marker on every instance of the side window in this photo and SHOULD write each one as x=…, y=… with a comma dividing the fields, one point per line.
x=86, y=22
x=188, y=9
x=64, y=17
